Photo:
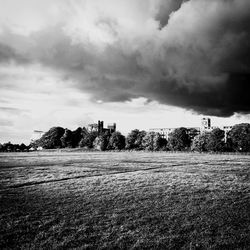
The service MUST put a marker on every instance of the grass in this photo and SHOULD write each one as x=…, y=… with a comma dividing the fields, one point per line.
x=136, y=200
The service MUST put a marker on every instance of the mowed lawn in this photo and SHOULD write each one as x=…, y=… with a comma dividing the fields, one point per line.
x=124, y=200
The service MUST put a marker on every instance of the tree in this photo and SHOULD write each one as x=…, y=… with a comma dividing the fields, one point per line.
x=148, y=141
x=50, y=139
x=116, y=141
x=160, y=143
x=77, y=135
x=216, y=141
x=7, y=147
x=101, y=142
x=239, y=137
x=134, y=139
x=88, y=139
x=192, y=132
x=199, y=142
x=23, y=147
x=67, y=139
x=153, y=141
x=139, y=139
x=179, y=139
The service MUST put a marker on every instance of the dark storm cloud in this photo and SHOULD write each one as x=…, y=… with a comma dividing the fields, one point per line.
x=231, y=96
x=198, y=60
x=165, y=9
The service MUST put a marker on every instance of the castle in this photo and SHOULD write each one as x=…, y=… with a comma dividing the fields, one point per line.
x=95, y=127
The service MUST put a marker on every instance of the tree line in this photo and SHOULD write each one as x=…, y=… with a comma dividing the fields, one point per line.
x=181, y=139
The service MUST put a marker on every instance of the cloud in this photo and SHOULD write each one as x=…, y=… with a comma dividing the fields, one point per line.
x=6, y=123
x=11, y=110
x=165, y=9
x=9, y=54
x=190, y=54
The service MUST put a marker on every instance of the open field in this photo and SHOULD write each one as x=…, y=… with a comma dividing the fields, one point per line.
x=132, y=200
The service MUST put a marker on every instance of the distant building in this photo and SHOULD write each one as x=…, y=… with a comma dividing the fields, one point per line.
x=92, y=127
x=206, y=127
x=165, y=132
x=205, y=123
x=193, y=131
x=99, y=127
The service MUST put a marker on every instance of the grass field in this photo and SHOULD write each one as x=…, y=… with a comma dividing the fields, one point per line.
x=126, y=200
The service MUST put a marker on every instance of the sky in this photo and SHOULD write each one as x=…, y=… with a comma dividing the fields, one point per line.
x=140, y=63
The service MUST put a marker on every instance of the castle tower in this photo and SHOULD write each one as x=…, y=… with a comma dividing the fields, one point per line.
x=100, y=127
x=205, y=123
